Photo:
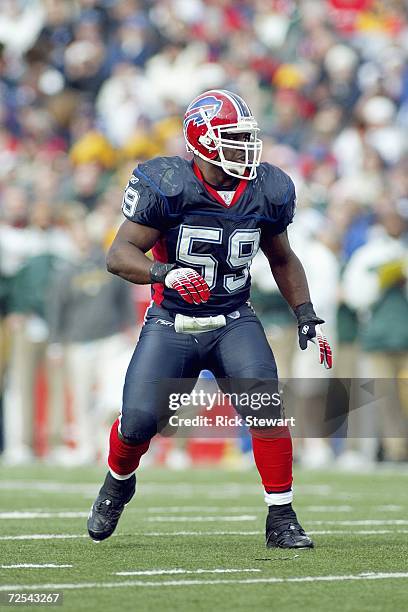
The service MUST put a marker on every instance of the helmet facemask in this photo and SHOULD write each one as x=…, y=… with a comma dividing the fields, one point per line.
x=216, y=141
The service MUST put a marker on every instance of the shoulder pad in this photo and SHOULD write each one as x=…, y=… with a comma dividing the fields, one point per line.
x=279, y=197
x=166, y=174
x=277, y=185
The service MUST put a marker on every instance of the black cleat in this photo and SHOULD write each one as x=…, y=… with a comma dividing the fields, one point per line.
x=283, y=529
x=108, y=506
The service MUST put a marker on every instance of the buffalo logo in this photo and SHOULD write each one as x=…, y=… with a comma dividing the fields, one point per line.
x=209, y=106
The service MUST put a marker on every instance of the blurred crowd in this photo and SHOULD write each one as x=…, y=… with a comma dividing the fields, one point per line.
x=90, y=87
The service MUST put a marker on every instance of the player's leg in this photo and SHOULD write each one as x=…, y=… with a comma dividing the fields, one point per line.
x=253, y=368
x=160, y=354
x=253, y=365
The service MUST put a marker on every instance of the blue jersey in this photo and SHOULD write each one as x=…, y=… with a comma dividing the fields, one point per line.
x=200, y=231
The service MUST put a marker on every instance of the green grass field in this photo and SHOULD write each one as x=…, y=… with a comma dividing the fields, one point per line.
x=208, y=525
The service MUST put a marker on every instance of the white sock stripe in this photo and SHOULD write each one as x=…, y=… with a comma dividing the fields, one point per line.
x=121, y=476
x=278, y=499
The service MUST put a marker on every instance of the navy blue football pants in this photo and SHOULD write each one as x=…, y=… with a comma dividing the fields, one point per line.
x=239, y=350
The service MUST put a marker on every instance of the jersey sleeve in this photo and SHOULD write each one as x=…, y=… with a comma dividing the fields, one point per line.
x=143, y=203
x=287, y=211
x=280, y=201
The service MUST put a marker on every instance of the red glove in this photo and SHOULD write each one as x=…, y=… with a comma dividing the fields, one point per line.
x=189, y=284
x=325, y=352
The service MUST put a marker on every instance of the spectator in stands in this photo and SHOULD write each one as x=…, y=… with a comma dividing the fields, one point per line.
x=89, y=88
x=375, y=284
x=31, y=257
x=89, y=312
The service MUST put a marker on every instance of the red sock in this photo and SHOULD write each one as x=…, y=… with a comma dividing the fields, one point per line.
x=124, y=458
x=272, y=450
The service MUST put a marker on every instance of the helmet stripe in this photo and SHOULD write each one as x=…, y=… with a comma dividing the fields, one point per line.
x=228, y=95
x=242, y=105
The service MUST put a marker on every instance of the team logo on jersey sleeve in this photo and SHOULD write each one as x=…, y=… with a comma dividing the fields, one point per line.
x=210, y=106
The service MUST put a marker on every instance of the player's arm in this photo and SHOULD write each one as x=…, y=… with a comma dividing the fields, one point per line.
x=127, y=258
x=291, y=279
x=286, y=268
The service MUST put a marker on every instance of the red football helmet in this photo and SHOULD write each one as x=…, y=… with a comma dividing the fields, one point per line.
x=209, y=121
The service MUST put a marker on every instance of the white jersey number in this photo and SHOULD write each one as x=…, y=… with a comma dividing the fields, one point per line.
x=242, y=248
x=130, y=199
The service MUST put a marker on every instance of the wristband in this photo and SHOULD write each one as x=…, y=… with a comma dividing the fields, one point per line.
x=159, y=271
x=306, y=313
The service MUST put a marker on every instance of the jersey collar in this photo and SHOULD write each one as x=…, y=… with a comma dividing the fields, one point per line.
x=242, y=185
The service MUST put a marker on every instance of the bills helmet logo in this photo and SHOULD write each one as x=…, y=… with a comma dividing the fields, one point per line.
x=210, y=106
x=208, y=123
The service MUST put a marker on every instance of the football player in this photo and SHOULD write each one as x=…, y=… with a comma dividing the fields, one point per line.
x=204, y=221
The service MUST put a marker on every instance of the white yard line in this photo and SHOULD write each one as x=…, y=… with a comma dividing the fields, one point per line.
x=202, y=533
x=252, y=533
x=223, y=489
x=49, y=536
x=184, y=571
x=183, y=509
x=389, y=508
x=17, y=515
x=258, y=509
x=153, y=519
x=160, y=584
x=357, y=532
x=47, y=486
x=44, y=536
x=153, y=488
x=33, y=566
x=41, y=515
x=362, y=522
x=201, y=519
x=327, y=508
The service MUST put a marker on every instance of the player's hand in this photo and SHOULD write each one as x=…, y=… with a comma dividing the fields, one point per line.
x=189, y=285
x=309, y=330
x=325, y=352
